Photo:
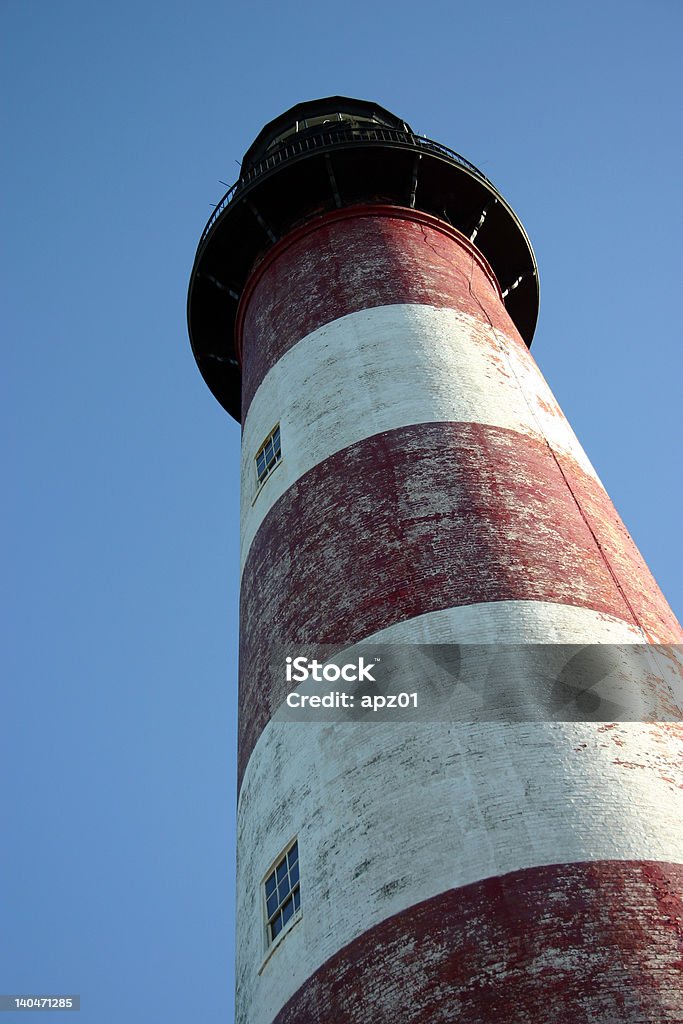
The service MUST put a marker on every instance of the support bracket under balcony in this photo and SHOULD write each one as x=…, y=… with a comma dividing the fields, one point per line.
x=221, y=287
x=333, y=181
x=516, y=283
x=413, y=183
x=480, y=222
x=262, y=223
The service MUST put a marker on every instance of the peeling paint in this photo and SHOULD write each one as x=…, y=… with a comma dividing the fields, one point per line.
x=431, y=490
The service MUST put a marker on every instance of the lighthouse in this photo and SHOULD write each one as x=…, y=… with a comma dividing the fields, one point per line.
x=363, y=301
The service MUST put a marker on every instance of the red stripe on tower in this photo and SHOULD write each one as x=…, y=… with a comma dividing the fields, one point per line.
x=426, y=518
x=352, y=260
x=610, y=924
x=407, y=476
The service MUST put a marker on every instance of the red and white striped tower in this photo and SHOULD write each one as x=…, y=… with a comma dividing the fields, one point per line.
x=371, y=294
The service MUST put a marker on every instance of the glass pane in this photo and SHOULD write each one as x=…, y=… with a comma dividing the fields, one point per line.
x=276, y=926
x=294, y=873
x=293, y=855
x=270, y=884
x=297, y=899
x=271, y=904
x=287, y=911
x=283, y=890
x=281, y=871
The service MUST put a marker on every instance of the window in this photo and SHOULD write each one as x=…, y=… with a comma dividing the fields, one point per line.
x=281, y=892
x=268, y=455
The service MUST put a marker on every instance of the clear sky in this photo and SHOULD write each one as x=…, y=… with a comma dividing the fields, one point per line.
x=121, y=511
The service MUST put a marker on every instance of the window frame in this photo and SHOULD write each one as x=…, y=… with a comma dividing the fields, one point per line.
x=293, y=893
x=269, y=467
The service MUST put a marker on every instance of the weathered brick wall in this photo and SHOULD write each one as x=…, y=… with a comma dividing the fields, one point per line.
x=429, y=517
x=568, y=944
x=389, y=817
x=430, y=486
x=385, y=368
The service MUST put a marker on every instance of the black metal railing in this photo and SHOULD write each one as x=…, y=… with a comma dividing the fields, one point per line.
x=328, y=139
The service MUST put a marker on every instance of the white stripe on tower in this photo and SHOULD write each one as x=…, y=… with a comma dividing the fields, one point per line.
x=389, y=367
x=389, y=817
x=430, y=487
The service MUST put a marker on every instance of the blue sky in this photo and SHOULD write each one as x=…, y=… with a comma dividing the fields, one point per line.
x=121, y=529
